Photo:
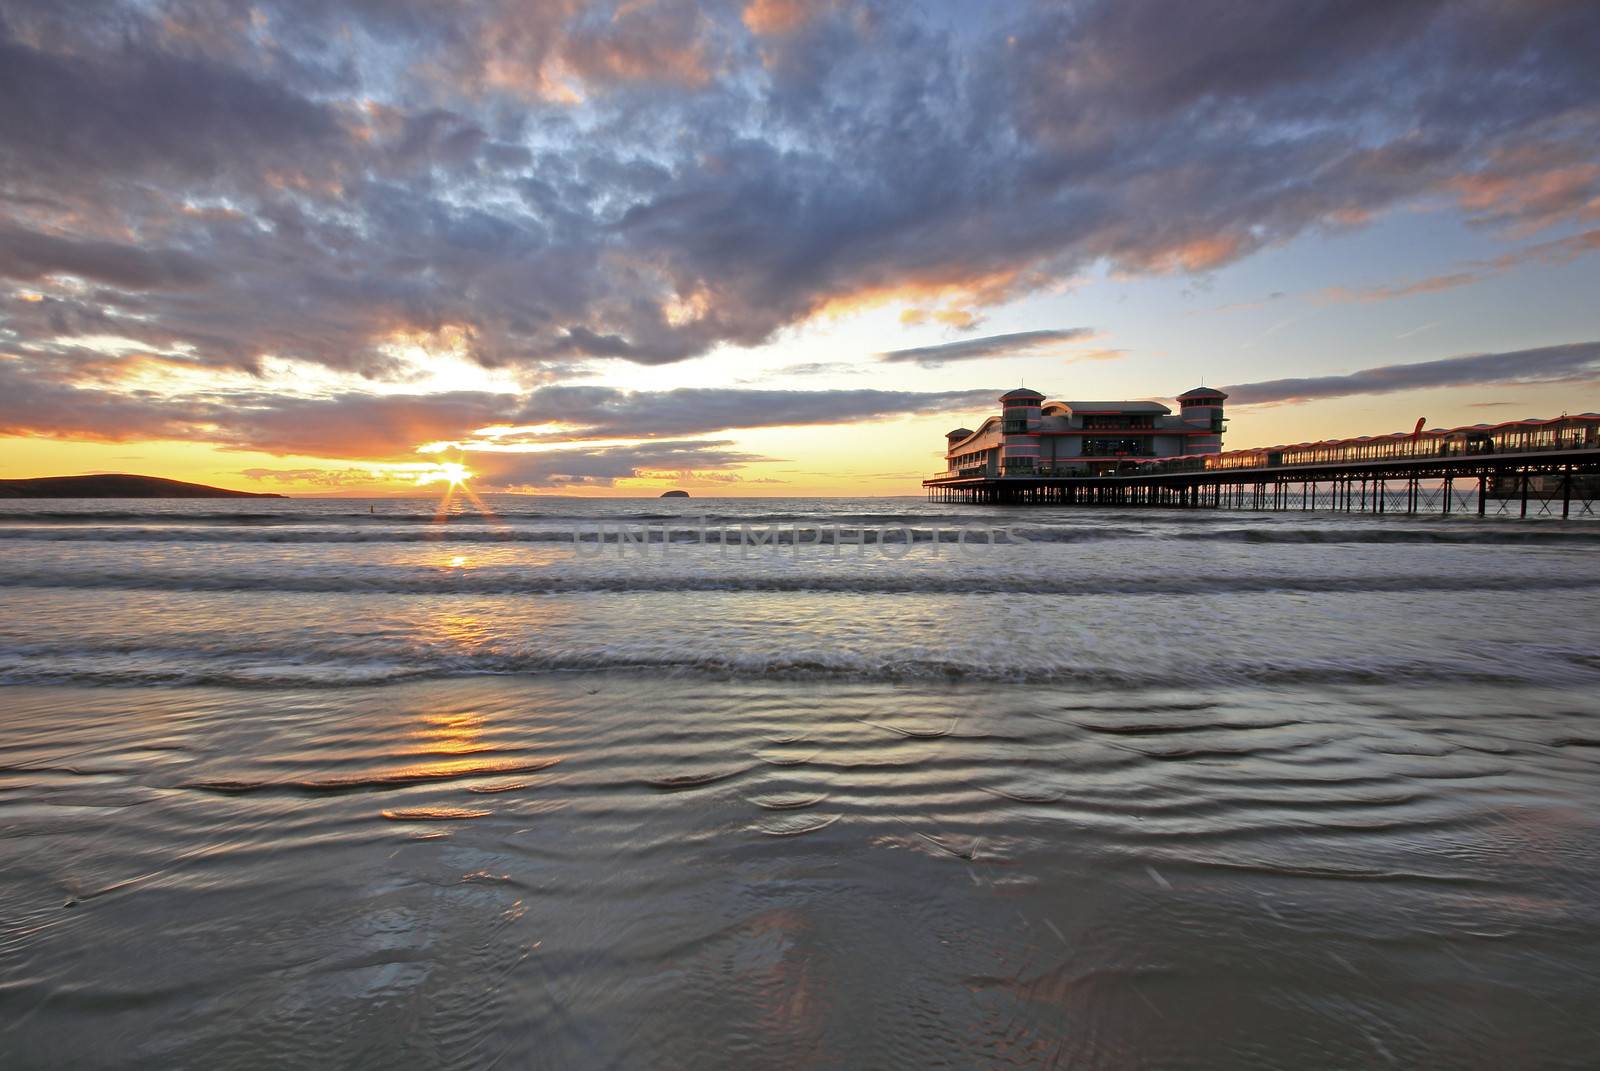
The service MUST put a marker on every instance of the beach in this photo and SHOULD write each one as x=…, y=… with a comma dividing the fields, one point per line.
x=354, y=783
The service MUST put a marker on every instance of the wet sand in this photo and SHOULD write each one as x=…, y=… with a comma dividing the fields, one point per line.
x=628, y=870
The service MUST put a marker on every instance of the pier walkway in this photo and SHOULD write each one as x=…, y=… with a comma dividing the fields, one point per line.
x=1563, y=481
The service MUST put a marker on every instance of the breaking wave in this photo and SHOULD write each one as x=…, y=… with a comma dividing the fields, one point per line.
x=442, y=580
x=286, y=670
x=778, y=532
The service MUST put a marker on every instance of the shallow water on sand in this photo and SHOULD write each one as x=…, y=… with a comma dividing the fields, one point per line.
x=1154, y=790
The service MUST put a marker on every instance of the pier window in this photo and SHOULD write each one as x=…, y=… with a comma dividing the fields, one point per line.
x=1117, y=422
x=1118, y=447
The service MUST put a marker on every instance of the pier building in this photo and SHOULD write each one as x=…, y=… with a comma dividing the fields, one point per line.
x=1031, y=437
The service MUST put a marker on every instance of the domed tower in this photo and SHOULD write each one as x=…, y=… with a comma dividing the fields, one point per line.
x=1019, y=428
x=1201, y=409
x=951, y=438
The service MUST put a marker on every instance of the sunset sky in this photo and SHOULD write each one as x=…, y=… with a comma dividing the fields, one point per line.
x=776, y=247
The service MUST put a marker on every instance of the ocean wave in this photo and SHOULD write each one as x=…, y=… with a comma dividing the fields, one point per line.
x=825, y=532
x=427, y=516
x=118, y=516
x=587, y=533
x=258, y=672
x=735, y=666
x=1493, y=533
x=523, y=581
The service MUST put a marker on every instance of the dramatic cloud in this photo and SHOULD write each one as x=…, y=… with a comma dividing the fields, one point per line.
x=1016, y=344
x=603, y=412
x=26, y=255
x=541, y=184
x=1576, y=361
x=333, y=479
x=685, y=460
x=358, y=426
x=341, y=426
x=391, y=426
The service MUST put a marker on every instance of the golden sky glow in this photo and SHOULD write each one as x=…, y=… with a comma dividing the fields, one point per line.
x=773, y=247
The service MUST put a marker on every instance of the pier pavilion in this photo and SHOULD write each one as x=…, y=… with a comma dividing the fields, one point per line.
x=1040, y=452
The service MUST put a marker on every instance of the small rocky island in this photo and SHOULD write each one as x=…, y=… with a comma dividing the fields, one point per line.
x=674, y=494
x=117, y=485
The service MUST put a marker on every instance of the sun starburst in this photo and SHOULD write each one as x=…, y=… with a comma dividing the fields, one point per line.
x=447, y=472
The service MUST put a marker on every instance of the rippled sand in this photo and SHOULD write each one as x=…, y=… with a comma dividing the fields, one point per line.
x=617, y=871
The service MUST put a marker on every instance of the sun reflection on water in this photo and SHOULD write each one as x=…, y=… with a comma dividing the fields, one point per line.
x=451, y=733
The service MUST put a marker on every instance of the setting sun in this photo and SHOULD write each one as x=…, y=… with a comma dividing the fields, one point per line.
x=450, y=472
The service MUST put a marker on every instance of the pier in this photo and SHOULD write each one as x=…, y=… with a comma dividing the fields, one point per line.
x=1558, y=481
x=1138, y=453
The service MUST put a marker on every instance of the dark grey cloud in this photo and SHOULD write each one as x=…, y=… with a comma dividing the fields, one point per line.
x=342, y=426
x=358, y=425
x=109, y=99
x=1548, y=364
x=1017, y=343
x=28, y=255
x=569, y=181
x=605, y=412
x=73, y=395
x=820, y=368
x=695, y=458
x=37, y=404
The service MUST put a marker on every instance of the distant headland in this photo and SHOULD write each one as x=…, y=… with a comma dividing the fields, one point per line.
x=117, y=485
x=674, y=494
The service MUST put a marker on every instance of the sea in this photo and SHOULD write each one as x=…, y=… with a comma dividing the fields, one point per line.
x=537, y=782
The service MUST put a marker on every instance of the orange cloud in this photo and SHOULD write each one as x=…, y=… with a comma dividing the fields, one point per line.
x=317, y=477
x=1105, y=354
x=1431, y=285
x=1202, y=254
x=951, y=288
x=951, y=316
x=1192, y=255
x=605, y=60
x=773, y=17
x=555, y=58
x=1350, y=217
x=1533, y=186
x=1557, y=251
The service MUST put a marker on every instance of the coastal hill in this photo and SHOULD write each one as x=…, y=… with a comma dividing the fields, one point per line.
x=117, y=485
